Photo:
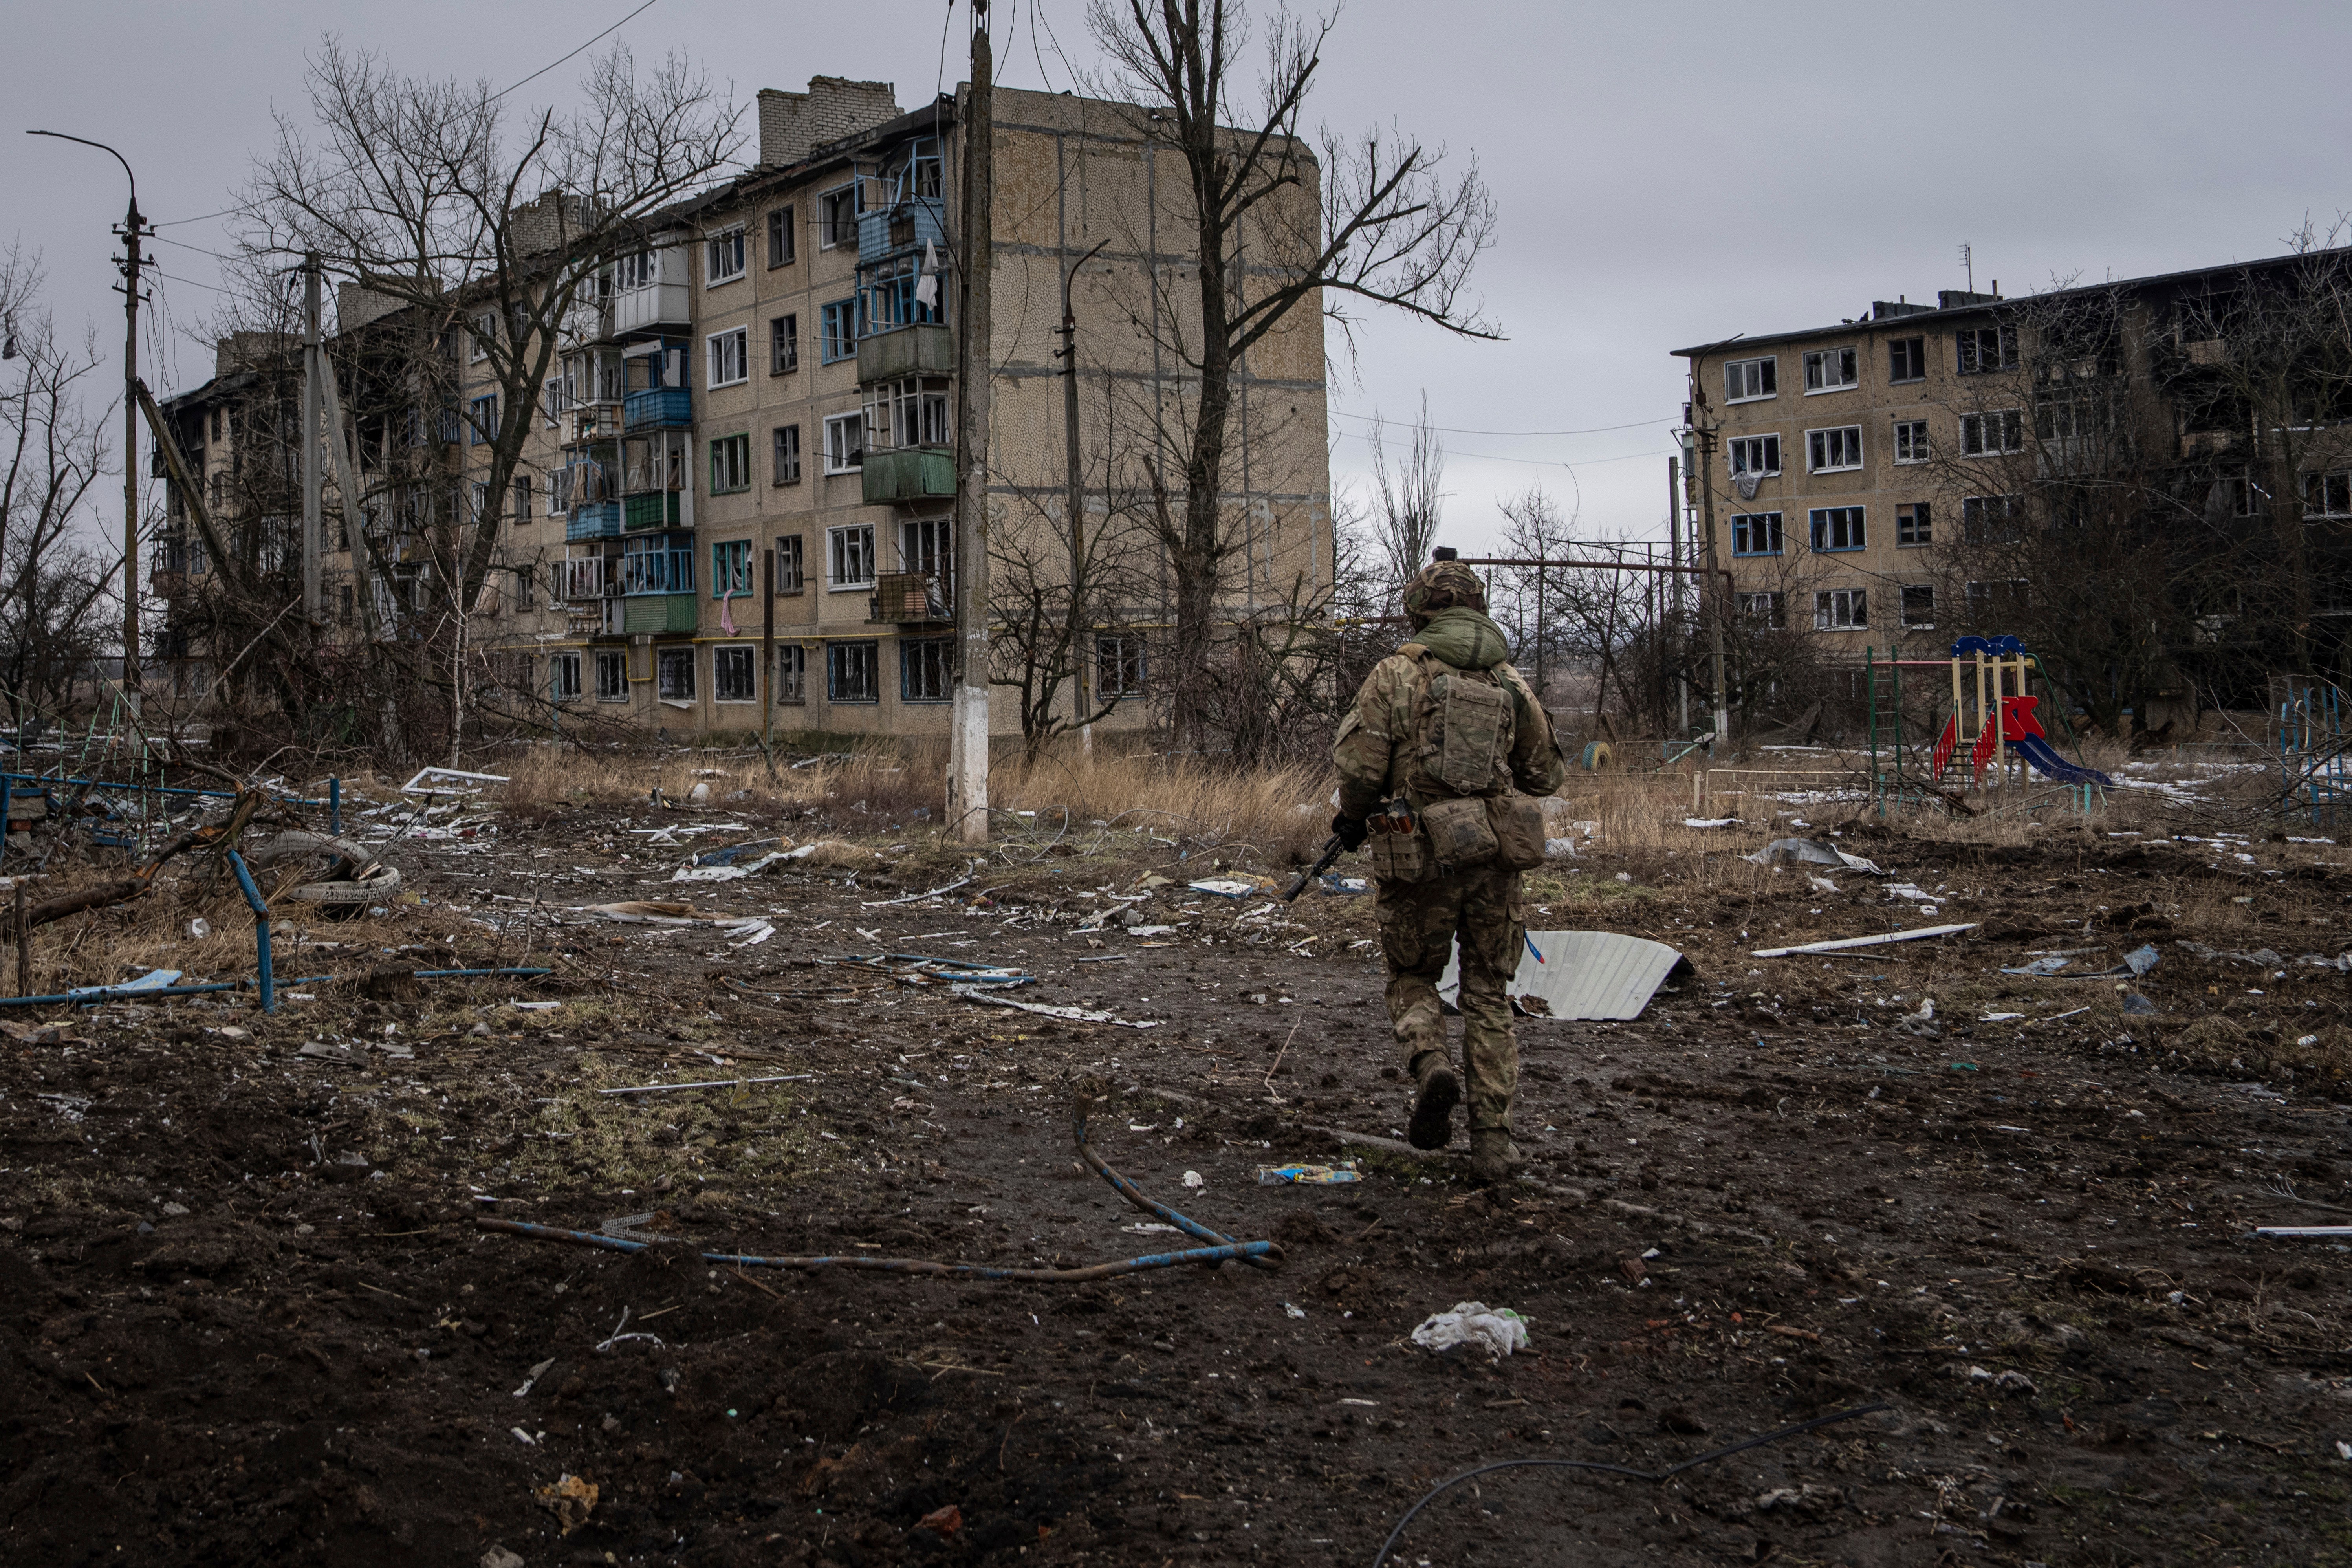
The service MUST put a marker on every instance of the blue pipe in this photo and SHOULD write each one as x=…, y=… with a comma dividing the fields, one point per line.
x=1242, y=1250
x=141, y=993
x=260, y=929
x=43, y=779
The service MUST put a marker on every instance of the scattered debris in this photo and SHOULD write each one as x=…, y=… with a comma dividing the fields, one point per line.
x=1307, y=1175
x=445, y=781
x=1580, y=976
x=1498, y=1330
x=1845, y=943
x=570, y=1501
x=1810, y=852
x=1073, y=1015
x=710, y=1083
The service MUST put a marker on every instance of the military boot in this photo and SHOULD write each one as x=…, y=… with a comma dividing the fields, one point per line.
x=1493, y=1156
x=1432, y=1109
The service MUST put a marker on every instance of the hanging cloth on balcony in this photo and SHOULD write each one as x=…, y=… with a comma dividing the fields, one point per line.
x=926, y=283
x=726, y=616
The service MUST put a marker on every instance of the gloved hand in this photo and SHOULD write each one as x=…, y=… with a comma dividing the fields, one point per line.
x=1351, y=831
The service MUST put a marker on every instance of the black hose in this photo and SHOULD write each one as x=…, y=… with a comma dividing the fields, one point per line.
x=1708, y=1458
x=1262, y=1253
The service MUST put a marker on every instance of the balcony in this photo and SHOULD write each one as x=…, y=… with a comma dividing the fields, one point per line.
x=651, y=308
x=911, y=598
x=657, y=613
x=593, y=520
x=910, y=473
x=656, y=509
x=907, y=226
x=658, y=408
x=927, y=349
x=595, y=422
x=167, y=583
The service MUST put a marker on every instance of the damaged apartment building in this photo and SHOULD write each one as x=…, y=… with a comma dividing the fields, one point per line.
x=764, y=394
x=2153, y=476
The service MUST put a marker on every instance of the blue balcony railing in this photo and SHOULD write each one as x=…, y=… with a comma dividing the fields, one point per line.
x=593, y=520
x=658, y=408
x=905, y=226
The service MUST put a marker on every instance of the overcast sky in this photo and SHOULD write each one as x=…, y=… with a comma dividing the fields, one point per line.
x=1666, y=176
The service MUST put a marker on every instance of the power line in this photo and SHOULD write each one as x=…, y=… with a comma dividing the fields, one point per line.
x=1455, y=430
x=590, y=43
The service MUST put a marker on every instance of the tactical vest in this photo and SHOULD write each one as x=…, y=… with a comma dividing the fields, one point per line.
x=1457, y=775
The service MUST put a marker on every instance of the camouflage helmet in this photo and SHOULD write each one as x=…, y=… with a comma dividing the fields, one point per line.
x=1443, y=585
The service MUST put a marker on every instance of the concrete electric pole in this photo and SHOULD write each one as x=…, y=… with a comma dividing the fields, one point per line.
x=313, y=398
x=968, y=722
x=133, y=229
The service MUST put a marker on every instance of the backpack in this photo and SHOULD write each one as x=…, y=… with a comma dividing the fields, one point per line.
x=1464, y=723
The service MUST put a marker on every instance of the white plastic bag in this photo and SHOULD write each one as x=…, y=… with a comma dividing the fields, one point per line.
x=1499, y=1331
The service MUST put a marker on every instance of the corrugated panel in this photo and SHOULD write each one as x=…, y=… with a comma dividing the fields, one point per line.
x=1583, y=975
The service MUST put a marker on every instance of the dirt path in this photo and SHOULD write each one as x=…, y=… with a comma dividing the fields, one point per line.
x=247, y=1314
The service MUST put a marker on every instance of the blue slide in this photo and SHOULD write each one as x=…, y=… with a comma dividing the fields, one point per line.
x=2036, y=751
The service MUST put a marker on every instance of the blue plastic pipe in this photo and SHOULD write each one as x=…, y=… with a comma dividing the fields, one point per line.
x=46, y=781
x=260, y=929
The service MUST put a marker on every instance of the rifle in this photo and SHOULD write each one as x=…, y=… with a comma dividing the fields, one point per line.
x=1332, y=848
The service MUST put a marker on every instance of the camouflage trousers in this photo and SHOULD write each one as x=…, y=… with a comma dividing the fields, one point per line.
x=1419, y=925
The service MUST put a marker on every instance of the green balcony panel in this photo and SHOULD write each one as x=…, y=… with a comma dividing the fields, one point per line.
x=905, y=351
x=658, y=612
x=658, y=508
x=910, y=473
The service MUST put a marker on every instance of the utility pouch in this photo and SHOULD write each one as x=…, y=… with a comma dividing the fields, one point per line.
x=1470, y=733
x=1460, y=837
x=1398, y=857
x=1518, y=824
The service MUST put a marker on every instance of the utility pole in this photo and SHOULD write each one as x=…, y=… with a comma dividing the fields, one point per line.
x=967, y=723
x=1074, y=505
x=133, y=229
x=1675, y=557
x=312, y=397
x=1711, y=599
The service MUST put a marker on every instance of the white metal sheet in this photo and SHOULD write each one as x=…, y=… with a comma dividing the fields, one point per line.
x=1582, y=976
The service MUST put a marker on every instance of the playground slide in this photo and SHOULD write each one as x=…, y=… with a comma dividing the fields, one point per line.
x=2036, y=750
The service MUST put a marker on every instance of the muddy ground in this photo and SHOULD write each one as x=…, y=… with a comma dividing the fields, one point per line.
x=247, y=1314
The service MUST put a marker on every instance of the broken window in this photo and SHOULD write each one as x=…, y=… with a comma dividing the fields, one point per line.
x=1906, y=358
x=730, y=568
x=734, y=668
x=1119, y=667
x=1831, y=370
x=1755, y=533
x=1982, y=349
x=850, y=556
x=1758, y=454
x=926, y=669
x=1841, y=610
x=849, y=672
x=730, y=357
x=1913, y=524
x=730, y=464
x=1991, y=434
x=782, y=239
x=1767, y=612
x=788, y=564
x=723, y=257
x=1991, y=519
x=563, y=676
x=785, y=443
x=1829, y=451
x=612, y=675
x=792, y=673
x=783, y=344
x=1920, y=607
x=1910, y=440
x=1837, y=528
x=2327, y=495
x=845, y=443
x=1743, y=379
x=836, y=216
x=674, y=671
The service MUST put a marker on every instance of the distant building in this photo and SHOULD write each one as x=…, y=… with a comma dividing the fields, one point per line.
x=1977, y=465
x=774, y=375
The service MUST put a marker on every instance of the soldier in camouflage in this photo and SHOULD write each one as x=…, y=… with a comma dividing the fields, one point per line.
x=1393, y=753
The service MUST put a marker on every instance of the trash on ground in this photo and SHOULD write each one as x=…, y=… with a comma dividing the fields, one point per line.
x=1810, y=852
x=1580, y=975
x=1338, y=886
x=1230, y=887
x=2302, y=1231
x=1498, y=1330
x=1559, y=848
x=154, y=980
x=1194, y=1181
x=1845, y=943
x=443, y=781
x=709, y=873
x=916, y=969
x=2133, y=1002
x=1307, y=1175
x=710, y=1083
x=570, y=1501
x=2040, y=968
x=1911, y=891
x=1073, y=1015
x=1710, y=821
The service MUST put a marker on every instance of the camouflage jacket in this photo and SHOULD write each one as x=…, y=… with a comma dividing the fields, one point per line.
x=1376, y=749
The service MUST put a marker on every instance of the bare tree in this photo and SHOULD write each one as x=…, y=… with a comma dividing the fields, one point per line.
x=55, y=449
x=480, y=232
x=1375, y=220
x=1407, y=505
